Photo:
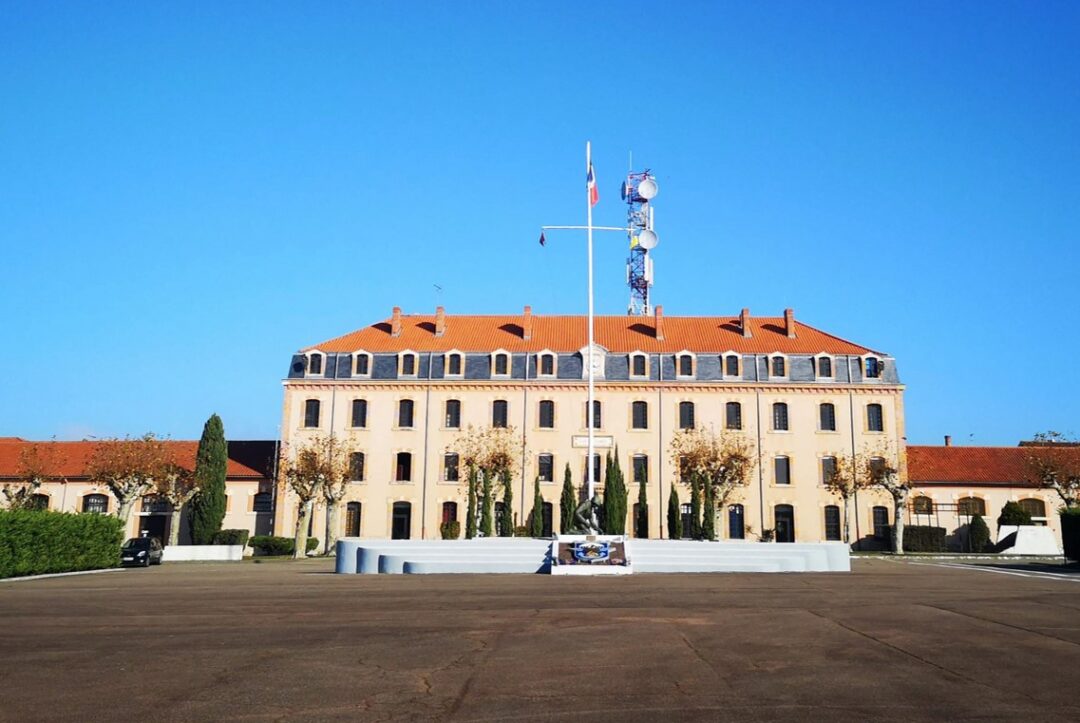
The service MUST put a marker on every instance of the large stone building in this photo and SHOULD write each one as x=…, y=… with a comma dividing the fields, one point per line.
x=401, y=390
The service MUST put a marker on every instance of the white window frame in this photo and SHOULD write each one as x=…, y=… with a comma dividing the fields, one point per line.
x=307, y=363
x=630, y=371
x=509, y=364
x=881, y=368
x=446, y=364
x=540, y=361
x=693, y=364
x=769, y=367
x=817, y=367
x=401, y=364
x=723, y=364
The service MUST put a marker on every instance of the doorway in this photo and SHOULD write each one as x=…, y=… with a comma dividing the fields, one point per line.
x=401, y=524
x=352, y=519
x=155, y=526
x=785, y=523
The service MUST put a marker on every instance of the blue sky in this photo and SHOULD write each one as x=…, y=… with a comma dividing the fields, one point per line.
x=191, y=191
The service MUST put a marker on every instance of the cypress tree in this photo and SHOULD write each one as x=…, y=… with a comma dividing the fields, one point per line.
x=618, y=491
x=470, y=514
x=487, y=522
x=674, y=516
x=505, y=521
x=708, y=523
x=641, y=520
x=211, y=462
x=536, y=519
x=695, y=507
x=610, y=497
x=567, y=504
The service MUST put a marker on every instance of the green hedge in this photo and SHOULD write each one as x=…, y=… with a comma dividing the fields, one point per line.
x=1070, y=532
x=924, y=538
x=37, y=542
x=271, y=545
x=230, y=537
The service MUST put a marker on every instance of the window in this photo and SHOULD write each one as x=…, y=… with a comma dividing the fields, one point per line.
x=686, y=415
x=405, y=413
x=828, y=469
x=779, y=417
x=685, y=366
x=639, y=415
x=408, y=364
x=595, y=469
x=877, y=468
x=922, y=505
x=501, y=364
x=639, y=365
x=454, y=365
x=449, y=512
x=733, y=415
x=881, y=523
x=684, y=469
x=263, y=503
x=874, y=420
x=782, y=470
x=1035, y=508
x=156, y=504
x=356, y=466
x=311, y=413
x=827, y=417
x=832, y=523
x=824, y=366
x=778, y=367
x=500, y=413
x=545, y=467
x=450, y=467
x=359, y=413
x=641, y=468
x=315, y=364
x=873, y=367
x=597, y=417
x=95, y=503
x=970, y=506
x=547, y=365
x=453, y=414
x=352, y=519
x=403, y=467
x=736, y=522
x=39, y=502
x=731, y=365
x=362, y=364
x=547, y=414
x=687, y=512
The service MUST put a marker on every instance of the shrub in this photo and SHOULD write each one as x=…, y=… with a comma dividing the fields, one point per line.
x=978, y=536
x=231, y=537
x=1070, y=532
x=521, y=531
x=37, y=542
x=312, y=543
x=272, y=545
x=450, y=530
x=1013, y=514
x=924, y=538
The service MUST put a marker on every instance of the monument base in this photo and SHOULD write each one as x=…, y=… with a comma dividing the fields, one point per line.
x=590, y=555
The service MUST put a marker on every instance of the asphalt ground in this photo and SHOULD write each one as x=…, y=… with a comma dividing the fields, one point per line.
x=294, y=642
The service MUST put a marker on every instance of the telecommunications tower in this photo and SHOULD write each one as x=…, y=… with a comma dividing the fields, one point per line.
x=638, y=190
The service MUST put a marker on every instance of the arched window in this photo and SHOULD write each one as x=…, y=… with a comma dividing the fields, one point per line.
x=639, y=415
x=595, y=469
x=547, y=364
x=311, y=413
x=500, y=413
x=407, y=366
x=686, y=415
x=639, y=365
x=641, y=468
x=455, y=363
x=685, y=365
x=95, y=503
x=405, y=413
x=922, y=505
x=1034, y=507
x=356, y=466
x=315, y=364
x=449, y=512
x=731, y=365
x=500, y=364
x=824, y=366
x=970, y=506
x=362, y=364
x=881, y=522
x=782, y=470
x=827, y=416
x=453, y=413
x=873, y=367
x=547, y=414
x=401, y=521
x=450, y=468
x=359, y=413
x=736, y=522
x=733, y=415
x=597, y=416
x=778, y=366
x=779, y=417
x=403, y=468
x=875, y=422
x=832, y=522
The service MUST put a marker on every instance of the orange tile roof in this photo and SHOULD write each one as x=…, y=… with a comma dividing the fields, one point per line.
x=75, y=456
x=969, y=465
x=570, y=334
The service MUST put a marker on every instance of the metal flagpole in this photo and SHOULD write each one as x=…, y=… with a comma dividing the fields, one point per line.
x=589, y=410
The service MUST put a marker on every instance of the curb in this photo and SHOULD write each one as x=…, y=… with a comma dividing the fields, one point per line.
x=60, y=574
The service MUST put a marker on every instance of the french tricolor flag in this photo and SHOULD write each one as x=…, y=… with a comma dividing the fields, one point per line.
x=590, y=185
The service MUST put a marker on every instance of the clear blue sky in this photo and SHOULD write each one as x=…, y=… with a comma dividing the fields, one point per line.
x=191, y=191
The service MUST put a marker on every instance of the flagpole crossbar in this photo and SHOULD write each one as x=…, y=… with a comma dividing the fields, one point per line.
x=624, y=229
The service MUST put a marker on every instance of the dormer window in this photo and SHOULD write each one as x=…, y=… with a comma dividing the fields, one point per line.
x=455, y=364
x=408, y=364
x=684, y=364
x=361, y=364
x=778, y=367
x=500, y=364
x=545, y=364
x=823, y=366
x=872, y=367
x=315, y=364
x=732, y=366
x=639, y=365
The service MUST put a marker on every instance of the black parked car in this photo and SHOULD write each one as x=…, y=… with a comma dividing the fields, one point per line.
x=145, y=551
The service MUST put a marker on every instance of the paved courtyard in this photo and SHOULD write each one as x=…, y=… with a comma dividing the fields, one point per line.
x=291, y=641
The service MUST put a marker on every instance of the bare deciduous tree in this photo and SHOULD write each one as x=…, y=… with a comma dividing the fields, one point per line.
x=318, y=468
x=847, y=477
x=486, y=453
x=1053, y=461
x=38, y=462
x=723, y=461
x=881, y=465
x=129, y=467
x=177, y=485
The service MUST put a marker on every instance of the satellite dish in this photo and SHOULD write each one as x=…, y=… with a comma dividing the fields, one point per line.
x=624, y=190
x=648, y=189
x=648, y=239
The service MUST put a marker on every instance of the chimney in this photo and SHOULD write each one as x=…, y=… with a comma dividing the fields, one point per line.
x=659, y=323
x=744, y=323
x=789, y=323
x=948, y=440
x=440, y=321
x=395, y=322
x=526, y=324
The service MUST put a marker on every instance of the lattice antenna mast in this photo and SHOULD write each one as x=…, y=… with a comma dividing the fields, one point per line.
x=638, y=191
